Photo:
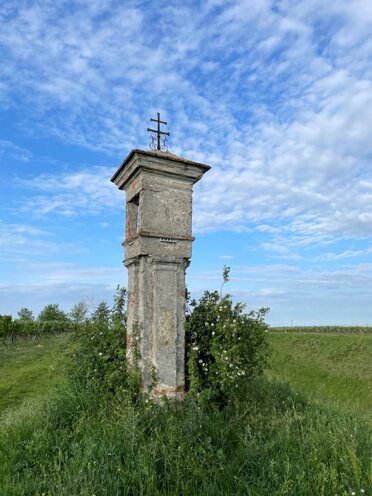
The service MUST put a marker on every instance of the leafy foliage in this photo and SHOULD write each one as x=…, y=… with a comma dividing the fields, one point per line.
x=224, y=345
x=11, y=330
x=102, y=314
x=98, y=350
x=25, y=314
x=79, y=313
x=6, y=322
x=52, y=312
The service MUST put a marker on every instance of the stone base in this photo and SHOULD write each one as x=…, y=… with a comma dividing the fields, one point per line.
x=159, y=392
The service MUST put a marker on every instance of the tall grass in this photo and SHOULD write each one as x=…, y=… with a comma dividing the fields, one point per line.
x=267, y=441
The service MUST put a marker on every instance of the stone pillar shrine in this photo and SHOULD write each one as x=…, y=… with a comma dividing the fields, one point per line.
x=158, y=241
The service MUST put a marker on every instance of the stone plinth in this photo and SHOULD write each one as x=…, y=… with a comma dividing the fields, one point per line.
x=157, y=245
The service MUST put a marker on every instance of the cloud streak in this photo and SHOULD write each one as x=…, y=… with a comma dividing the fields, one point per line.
x=80, y=193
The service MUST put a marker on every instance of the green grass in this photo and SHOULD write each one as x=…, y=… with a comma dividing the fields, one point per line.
x=29, y=370
x=269, y=441
x=329, y=368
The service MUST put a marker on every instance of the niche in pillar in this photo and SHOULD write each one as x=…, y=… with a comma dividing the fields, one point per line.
x=133, y=217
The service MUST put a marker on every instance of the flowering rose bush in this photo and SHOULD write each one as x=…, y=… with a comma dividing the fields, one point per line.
x=224, y=345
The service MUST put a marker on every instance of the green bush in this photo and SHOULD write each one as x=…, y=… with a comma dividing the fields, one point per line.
x=6, y=325
x=98, y=351
x=224, y=345
x=98, y=357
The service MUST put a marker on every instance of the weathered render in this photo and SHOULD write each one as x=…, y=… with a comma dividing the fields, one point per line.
x=157, y=244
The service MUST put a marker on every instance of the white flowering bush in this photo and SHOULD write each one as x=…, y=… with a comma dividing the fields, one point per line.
x=225, y=346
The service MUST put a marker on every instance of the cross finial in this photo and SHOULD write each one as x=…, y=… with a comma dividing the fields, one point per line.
x=156, y=137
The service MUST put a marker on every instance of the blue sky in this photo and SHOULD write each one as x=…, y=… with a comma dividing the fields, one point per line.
x=275, y=95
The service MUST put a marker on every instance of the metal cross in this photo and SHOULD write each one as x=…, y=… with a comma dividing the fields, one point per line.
x=157, y=131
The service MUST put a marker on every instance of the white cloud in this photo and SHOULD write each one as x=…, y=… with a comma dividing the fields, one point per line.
x=26, y=240
x=88, y=191
x=292, y=168
x=331, y=257
x=317, y=167
x=37, y=283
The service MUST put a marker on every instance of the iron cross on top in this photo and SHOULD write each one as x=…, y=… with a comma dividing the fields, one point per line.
x=158, y=132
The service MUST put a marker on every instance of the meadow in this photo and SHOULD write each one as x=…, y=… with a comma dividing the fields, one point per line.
x=334, y=369
x=30, y=369
x=290, y=432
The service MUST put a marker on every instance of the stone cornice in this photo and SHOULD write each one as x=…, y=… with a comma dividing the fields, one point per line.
x=157, y=161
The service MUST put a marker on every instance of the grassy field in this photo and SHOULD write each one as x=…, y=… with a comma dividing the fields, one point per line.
x=271, y=441
x=29, y=370
x=325, y=329
x=330, y=368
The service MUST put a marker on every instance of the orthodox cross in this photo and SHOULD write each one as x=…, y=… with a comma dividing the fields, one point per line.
x=157, y=131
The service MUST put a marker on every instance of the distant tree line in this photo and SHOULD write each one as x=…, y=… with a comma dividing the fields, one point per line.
x=51, y=320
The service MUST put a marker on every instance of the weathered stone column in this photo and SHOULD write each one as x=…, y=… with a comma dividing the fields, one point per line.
x=158, y=243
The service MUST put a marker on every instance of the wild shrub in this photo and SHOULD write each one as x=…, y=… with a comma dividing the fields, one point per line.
x=224, y=345
x=6, y=326
x=98, y=350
